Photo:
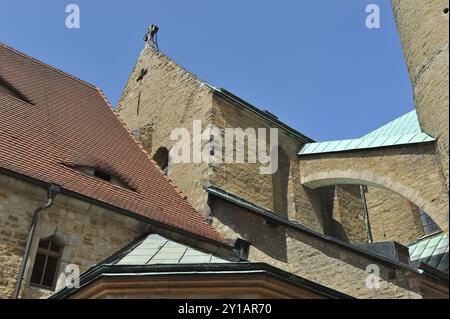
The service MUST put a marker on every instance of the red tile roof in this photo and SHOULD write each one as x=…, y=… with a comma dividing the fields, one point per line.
x=69, y=122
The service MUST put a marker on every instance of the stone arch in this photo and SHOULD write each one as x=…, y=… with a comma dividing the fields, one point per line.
x=438, y=210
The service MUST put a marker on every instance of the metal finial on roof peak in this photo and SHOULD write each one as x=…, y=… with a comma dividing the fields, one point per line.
x=151, y=37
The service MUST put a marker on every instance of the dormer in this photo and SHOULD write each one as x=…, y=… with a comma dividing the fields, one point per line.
x=105, y=175
x=7, y=88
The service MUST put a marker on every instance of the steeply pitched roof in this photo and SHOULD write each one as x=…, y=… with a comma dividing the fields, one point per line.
x=403, y=130
x=64, y=123
x=431, y=250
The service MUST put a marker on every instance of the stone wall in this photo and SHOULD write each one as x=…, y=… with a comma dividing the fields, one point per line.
x=411, y=171
x=423, y=26
x=88, y=233
x=313, y=258
x=166, y=98
x=232, y=221
x=336, y=266
x=168, y=90
x=393, y=217
x=170, y=97
x=347, y=222
x=280, y=192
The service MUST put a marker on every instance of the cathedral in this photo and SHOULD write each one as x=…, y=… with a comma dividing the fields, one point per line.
x=97, y=202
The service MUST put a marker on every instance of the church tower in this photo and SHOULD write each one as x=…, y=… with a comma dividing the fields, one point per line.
x=423, y=27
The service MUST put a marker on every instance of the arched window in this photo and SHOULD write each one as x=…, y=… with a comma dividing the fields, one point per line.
x=46, y=264
x=161, y=157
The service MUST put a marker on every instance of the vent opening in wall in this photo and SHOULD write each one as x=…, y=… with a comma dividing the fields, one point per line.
x=446, y=11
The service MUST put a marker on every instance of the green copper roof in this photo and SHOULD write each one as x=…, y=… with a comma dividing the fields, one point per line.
x=407, y=124
x=431, y=250
x=155, y=249
x=404, y=130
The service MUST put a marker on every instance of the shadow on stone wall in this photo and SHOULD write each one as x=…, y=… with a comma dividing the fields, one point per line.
x=237, y=221
x=280, y=182
x=349, y=264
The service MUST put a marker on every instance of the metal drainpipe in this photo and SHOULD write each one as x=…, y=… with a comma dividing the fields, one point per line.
x=53, y=190
x=362, y=190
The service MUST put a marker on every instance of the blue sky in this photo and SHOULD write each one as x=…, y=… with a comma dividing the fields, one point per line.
x=312, y=63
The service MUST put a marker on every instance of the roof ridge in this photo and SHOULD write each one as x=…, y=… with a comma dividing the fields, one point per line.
x=401, y=120
x=178, y=65
x=24, y=55
x=169, y=60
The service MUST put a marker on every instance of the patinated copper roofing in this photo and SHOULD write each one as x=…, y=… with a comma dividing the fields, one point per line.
x=431, y=250
x=401, y=131
x=50, y=122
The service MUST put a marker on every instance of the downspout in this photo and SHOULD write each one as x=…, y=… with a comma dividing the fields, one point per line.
x=362, y=190
x=53, y=190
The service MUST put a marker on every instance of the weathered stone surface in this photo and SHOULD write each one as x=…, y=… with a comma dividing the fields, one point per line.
x=411, y=171
x=171, y=97
x=348, y=215
x=423, y=26
x=88, y=237
x=326, y=264
x=168, y=97
x=279, y=192
x=393, y=217
x=313, y=258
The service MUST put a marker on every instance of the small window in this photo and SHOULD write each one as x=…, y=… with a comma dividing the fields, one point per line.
x=46, y=264
x=102, y=175
x=106, y=175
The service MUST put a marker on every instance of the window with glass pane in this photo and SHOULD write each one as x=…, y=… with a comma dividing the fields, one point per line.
x=46, y=264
